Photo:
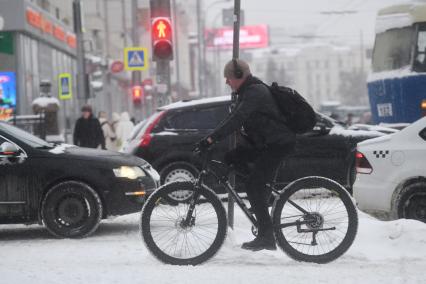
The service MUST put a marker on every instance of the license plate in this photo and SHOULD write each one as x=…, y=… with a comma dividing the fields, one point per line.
x=384, y=109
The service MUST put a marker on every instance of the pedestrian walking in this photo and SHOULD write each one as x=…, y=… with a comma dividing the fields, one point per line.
x=109, y=134
x=87, y=131
x=124, y=129
x=258, y=119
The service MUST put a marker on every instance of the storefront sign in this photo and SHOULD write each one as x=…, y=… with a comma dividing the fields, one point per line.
x=71, y=40
x=42, y=23
x=46, y=26
x=59, y=33
x=34, y=18
x=250, y=37
x=7, y=94
x=65, y=86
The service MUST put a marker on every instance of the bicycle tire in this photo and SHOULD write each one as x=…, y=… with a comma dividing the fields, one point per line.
x=310, y=183
x=157, y=199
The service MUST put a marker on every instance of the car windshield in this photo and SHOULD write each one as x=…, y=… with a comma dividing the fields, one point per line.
x=24, y=136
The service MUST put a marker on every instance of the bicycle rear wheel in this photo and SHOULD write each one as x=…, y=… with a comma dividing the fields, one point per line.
x=315, y=220
x=170, y=237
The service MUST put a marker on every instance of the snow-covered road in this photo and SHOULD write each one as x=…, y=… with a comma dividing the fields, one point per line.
x=383, y=252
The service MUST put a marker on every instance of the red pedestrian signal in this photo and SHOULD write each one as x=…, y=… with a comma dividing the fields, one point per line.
x=162, y=38
x=137, y=95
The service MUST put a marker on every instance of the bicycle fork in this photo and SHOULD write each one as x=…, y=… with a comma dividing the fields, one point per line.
x=189, y=219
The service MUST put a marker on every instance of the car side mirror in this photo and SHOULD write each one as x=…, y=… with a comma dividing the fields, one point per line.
x=8, y=149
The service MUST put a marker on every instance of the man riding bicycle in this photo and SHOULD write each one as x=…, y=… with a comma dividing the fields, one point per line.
x=258, y=119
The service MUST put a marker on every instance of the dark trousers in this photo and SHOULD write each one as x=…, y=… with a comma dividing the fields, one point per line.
x=264, y=163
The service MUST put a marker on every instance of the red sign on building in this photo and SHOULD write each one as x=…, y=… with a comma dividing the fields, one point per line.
x=250, y=37
x=117, y=66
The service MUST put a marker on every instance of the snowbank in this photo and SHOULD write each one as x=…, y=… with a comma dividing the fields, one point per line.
x=383, y=252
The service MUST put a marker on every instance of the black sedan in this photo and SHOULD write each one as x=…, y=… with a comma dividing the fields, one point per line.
x=67, y=188
x=167, y=137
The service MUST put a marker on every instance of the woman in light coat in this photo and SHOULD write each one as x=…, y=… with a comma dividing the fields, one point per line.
x=124, y=129
x=109, y=134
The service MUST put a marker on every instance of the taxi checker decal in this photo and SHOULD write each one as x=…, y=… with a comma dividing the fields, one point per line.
x=381, y=154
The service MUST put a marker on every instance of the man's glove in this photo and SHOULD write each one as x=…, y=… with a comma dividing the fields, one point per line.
x=204, y=145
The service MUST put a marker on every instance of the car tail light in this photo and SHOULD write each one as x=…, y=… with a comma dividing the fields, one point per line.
x=363, y=166
x=146, y=137
x=423, y=107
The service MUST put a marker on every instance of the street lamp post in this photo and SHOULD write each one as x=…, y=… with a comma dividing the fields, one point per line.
x=81, y=66
x=233, y=140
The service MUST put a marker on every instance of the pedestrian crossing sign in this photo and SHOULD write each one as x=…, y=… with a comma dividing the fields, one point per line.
x=136, y=58
x=65, y=86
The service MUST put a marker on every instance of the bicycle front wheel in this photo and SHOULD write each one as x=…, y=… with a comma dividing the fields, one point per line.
x=315, y=220
x=177, y=236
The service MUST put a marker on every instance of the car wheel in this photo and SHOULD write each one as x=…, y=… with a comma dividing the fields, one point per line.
x=412, y=202
x=71, y=209
x=179, y=172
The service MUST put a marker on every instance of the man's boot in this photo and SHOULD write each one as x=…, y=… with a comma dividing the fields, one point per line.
x=265, y=241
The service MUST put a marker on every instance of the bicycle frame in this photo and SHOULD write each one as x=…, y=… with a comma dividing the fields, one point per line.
x=229, y=188
x=223, y=180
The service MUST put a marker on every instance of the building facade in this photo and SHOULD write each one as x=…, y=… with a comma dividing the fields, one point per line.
x=35, y=47
x=321, y=73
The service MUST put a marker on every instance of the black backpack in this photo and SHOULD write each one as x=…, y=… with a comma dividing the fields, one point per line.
x=299, y=115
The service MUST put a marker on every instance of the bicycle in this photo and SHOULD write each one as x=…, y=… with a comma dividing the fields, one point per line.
x=191, y=230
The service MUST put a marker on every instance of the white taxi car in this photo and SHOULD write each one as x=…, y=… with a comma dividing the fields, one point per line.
x=391, y=174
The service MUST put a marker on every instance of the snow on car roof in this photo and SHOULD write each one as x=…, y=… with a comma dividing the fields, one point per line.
x=339, y=130
x=195, y=102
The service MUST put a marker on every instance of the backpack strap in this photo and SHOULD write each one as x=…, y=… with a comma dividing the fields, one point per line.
x=279, y=118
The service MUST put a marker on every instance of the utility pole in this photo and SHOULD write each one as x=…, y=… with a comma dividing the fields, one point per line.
x=106, y=27
x=175, y=39
x=136, y=75
x=361, y=46
x=233, y=140
x=200, y=50
x=82, y=91
x=123, y=22
x=107, y=90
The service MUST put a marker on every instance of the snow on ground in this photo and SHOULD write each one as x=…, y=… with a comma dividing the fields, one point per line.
x=383, y=252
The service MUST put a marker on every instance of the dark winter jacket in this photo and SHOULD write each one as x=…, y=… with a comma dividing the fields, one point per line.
x=258, y=114
x=88, y=133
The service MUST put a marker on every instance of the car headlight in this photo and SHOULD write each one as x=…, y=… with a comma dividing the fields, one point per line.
x=129, y=172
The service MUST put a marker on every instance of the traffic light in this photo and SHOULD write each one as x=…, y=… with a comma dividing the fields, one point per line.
x=137, y=95
x=162, y=38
